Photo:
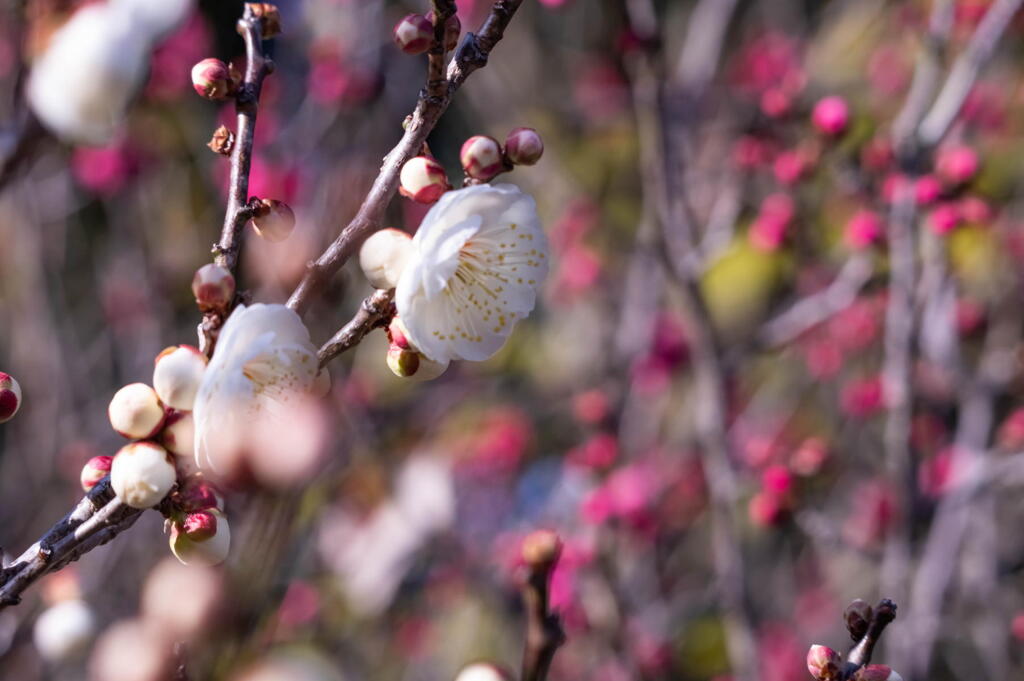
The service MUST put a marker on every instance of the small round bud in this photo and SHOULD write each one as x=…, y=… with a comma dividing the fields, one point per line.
x=876, y=672
x=94, y=470
x=481, y=157
x=524, y=147
x=403, y=362
x=957, y=165
x=383, y=257
x=482, y=671
x=10, y=397
x=423, y=180
x=214, y=288
x=414, y=33
x=831, y=115
x=178, y=435
x=823, y=663
x=212, y=79
x=132, y=650
x=199, y=526
x=452, y=30
x=183, y=599
x=863, y=229
x=541, y=548
x=135, y=412
x=210, y=551
x=858, y=616
x=63, y=631
x=142, y=474
x=177, y=373
x=276, y=221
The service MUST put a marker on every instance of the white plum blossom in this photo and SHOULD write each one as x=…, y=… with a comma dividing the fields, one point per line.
x=477, y=261
x=264, y=360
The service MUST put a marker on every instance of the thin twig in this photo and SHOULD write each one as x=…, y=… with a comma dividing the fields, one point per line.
x=860, y=654
x=544, y=632
x=376, y=310
x=472, y=54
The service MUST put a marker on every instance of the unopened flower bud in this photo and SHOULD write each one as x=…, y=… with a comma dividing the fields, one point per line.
x=275, y=222
x=63, y=631
x=269, y=16
x=10, y=397
x=199, y=526
x=94, y=470
x=481, y=157
x=212, y=79
x=541, y=547
x=210, y=551
x=135, y=412
x=452, y=30
x=858, y=616
x=876, y=672
x=402, y=361
x=177, y=372
x=383, y=257
x=957, y=165
x=863, y=229
x=423, y=180
x=823, y=663
x=214, y=288
x=142, y=474
x=414, y=33
x=482, y=671
x=222, y=141
x=178, y=435
x=831, y=115
x=524, y=147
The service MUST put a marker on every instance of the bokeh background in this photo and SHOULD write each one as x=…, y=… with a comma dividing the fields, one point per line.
x=404, y=563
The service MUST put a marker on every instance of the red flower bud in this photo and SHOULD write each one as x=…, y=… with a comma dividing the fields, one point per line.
x=524, y=146
x=414, y=33
x=212, y=79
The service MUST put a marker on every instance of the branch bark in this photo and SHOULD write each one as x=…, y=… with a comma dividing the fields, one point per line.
x=375, y=311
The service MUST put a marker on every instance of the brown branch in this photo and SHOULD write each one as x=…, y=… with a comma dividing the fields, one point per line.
x=860, y=653
x=544, y=632
x=471, y=55
x=436, y=78
x=375, y=311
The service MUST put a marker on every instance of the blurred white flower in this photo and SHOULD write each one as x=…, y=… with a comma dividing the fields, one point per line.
x=81, y=85
x=263, y=362
x=64, y=630
x=477, y=260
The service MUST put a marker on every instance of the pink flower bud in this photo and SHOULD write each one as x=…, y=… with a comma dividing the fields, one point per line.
x=541, y=548
x=823, y=663
x=944, y=219
x=210, y=551
x=524, y=147
x=974, y=210
x=212, y=79
x=199, y=526
x=178, y=434
x=94, y=470
x=383, y=256
x=831, y=115
x=452, y=30
x=876, y=672
x=177, y=372
x=766, y=509
x=414, y=33
x=809, y=456
x=957, y=165
x=483, y=671
x=276, y=221
x=790, y=167
x=398, y=334
x=481, y=157
x=10, y=397
x=142, y=474
x=863, y=229
x=135, y=412
x=423, y=180
x=775, y=102
x=214, y=288
x=927, y=190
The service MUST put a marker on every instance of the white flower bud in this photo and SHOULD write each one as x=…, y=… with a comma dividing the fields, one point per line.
x=524, y=147
x=383, y=256
x=142, y=474
x=94, y=470
x=276, y=221
x=135, y=411
x=184, y=599
x=423, y=180
x=177, y=373
x=63, y=631
x=214, y=288
x=414, y=33
x=481, y=157
x=482, y=671
x=132, y=650
x=179, y=435
x=208, y=552
x=823, y=662
x=10, y=397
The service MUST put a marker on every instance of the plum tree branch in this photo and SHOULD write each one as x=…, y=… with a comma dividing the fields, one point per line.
x=375, y=311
